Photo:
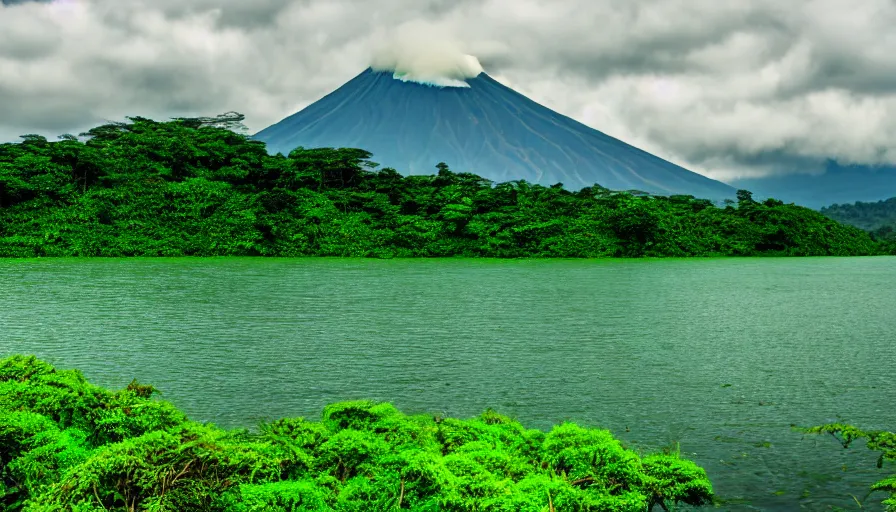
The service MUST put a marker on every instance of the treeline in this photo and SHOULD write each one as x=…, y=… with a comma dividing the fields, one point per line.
x=878, y=218
x=188, y=187
x=68, y=445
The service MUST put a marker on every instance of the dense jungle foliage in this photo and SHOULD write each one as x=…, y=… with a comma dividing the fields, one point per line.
x=68, y=445
x=879, y=441
x=878, y=218
x=867, y=216
x=184, y=187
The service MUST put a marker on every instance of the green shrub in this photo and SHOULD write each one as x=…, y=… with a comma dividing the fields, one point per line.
x=68, y=445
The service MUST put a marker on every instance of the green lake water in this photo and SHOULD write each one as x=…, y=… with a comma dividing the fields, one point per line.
x=719, y=355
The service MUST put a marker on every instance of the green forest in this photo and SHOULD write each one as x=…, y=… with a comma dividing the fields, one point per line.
x=68, y=445
x=879, y=218
x=188, y=188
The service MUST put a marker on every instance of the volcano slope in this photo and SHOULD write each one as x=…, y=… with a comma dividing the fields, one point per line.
x=485, y=128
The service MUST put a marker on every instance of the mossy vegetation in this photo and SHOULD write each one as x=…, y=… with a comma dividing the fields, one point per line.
x=68, y=445
x=878, y=441
x=187, y=187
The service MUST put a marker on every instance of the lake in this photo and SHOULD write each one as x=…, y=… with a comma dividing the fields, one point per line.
x=719, y=355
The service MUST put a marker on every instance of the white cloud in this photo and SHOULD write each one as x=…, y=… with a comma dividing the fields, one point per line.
x=723, y=88
x=420, y=52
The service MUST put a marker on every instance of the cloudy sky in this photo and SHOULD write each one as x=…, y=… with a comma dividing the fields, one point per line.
x=728, y=89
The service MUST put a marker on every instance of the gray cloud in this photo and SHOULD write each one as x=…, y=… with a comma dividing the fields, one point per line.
x=724, y=88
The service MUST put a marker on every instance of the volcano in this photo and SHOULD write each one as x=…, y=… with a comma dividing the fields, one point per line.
x=482, y=127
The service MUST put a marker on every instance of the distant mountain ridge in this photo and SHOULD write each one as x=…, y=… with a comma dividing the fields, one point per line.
x=838, y=185
x=487, y=129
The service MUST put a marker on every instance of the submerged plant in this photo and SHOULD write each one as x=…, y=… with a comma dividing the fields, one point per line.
x=879, y=441
x=66, y=444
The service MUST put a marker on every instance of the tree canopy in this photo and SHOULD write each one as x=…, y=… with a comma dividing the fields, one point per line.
x=878, y=218
x=192, y=186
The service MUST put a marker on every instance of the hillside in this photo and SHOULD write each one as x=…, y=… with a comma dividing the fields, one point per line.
x=148, y=188
x=867, y=216
x=484, y=128
x=878, y=218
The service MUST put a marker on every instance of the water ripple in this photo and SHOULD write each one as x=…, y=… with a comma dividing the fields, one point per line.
x=648, y=346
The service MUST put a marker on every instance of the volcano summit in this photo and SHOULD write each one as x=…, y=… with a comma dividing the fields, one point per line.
x=411, y=120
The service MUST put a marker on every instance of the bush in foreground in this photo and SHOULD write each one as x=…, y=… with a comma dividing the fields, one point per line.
x=66, y=444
